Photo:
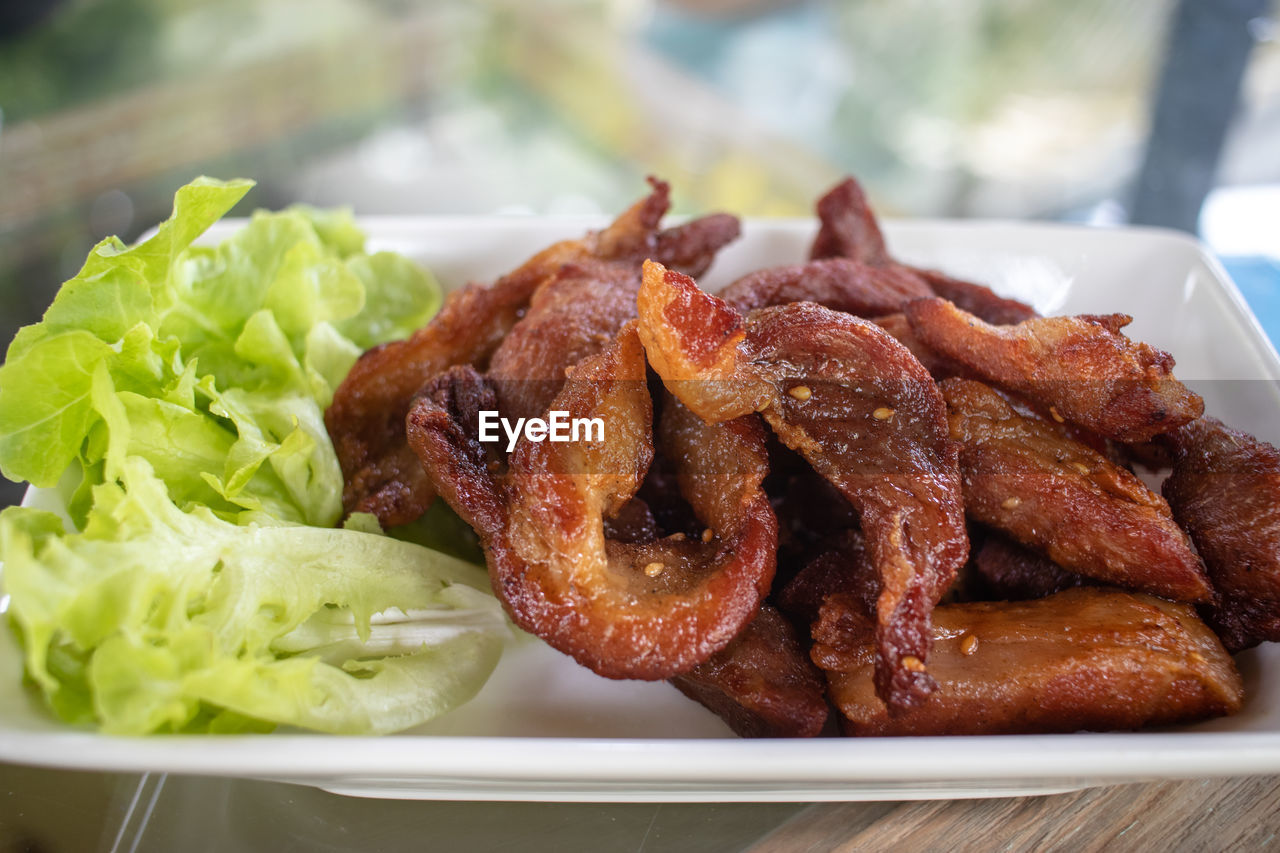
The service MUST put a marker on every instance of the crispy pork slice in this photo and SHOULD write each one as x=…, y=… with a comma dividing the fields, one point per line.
x=1088, y=658
x=647, y=609
x=860, y=409
x=1225, y=490
x=848, y=229
x=576, y=313
x=841, y=284
x=366, y=419
x=1082, y=368
x=762, y=684
x=1025, y=476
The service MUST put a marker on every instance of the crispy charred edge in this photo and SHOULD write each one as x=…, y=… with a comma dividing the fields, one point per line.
x=848, y=228
x=542, y=528
x=1026, y=477
x=366, y=418
x=841, y=284
x=1083, y=367
x=763, y=683
x=703, y=367
x=1225, y=491
x=1088, y=658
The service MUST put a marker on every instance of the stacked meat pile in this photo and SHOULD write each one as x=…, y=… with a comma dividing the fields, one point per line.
x=845, y=482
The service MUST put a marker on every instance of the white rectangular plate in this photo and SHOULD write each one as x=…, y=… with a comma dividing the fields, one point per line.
x=544, y=728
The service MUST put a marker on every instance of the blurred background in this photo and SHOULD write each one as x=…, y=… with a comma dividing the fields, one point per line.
x=1161, y=112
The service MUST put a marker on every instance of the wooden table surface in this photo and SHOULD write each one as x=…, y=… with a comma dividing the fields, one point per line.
x=53, y=811
x=1206, y=814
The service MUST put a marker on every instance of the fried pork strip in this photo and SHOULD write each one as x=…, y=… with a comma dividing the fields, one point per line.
x=939, y=366
x=860, y=409
x=366, y=419
x=1088, y=658
x=1082, y=367
x=762, y=684
x=844, y=568
x=574, y=314
x=1010, y=571
x=849, y=229
x=1225, y=490
x=841, y=284
x=1027, y=477
x=648, y=609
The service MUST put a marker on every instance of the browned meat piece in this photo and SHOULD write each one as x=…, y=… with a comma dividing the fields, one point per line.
x=1082, y=367
x=860, y=408
x=939, y=366
x=977, y=299
x=1012, y=572
x=812, y=514
x=574, y=314
x=692, y=247
x=762, y=684
x=1225, y=490
x=1025, y=476
x=848, y=227
x=633, y=523
x=845, y=568
x=1088, y=658
x=645, y=610
x=366, y=419
x=849, y=230
x=840, y=284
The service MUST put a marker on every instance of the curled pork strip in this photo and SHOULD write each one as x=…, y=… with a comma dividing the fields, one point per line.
x=849, y=229
x=366, y=419
x=860, y=409
x=762, y=684
x=1225, y=490
x=639, y=609
x=1086, y=658
x=1025, y=476
x=1082, y=367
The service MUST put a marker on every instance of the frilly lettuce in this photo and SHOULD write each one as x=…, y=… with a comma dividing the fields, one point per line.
x=175, y=395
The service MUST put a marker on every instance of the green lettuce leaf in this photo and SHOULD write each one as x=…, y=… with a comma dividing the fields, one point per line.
x=243, y=341
x=175, y=396
x=153, y=620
